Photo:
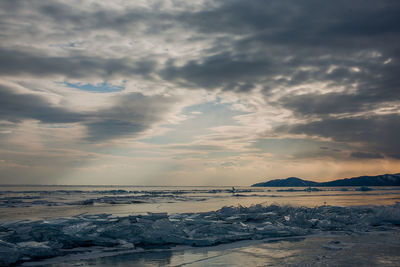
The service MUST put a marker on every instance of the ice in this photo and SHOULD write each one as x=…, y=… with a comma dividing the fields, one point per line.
x=9, y=253
x=337, y=245
x=31, y=198
x=25, y=240
x=33, y=249
x=89, y=198
x=157, y=215
x=364, y=188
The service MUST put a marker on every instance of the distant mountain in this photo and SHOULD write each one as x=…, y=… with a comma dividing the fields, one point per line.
x=378, y=180
x=291, y=181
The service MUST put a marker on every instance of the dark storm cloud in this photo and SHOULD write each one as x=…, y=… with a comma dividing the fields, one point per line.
x=376, y=86
x=131, y=115
x=14, y=62
x=107, y=129
x=348, y=44
x=351, y=45
x=253, y=41
x=17, y=107
x=70, y=19
x=122, y=20
x=309, y=22
x=268, y=38
x=56, y=23
x=324, y=104
x=222, y=70
x=377, y=134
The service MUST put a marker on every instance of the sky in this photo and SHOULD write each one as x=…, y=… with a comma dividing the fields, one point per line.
x=198, y=92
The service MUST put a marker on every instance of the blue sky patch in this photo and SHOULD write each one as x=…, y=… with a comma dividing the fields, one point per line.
x=103, y=87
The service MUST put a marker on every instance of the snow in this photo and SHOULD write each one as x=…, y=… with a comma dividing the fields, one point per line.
x=26, y=240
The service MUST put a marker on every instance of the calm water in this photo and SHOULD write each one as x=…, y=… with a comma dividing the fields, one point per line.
x=43, y=202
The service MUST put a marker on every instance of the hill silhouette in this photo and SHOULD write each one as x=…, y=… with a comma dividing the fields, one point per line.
x=378, y=180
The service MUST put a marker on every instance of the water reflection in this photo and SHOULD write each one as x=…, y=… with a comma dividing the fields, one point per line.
x=310, y=251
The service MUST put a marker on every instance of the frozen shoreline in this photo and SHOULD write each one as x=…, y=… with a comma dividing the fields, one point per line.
x=26, y=240
x=66, y=196
x=379, y=248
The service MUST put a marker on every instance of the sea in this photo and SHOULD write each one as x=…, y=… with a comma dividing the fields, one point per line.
x=46, y=202
x=197, y=225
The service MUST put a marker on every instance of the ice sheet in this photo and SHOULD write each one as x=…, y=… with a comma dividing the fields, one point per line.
x=28, y=240
x=74, y=197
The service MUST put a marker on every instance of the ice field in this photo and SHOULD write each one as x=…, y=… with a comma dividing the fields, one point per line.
x=175, y=222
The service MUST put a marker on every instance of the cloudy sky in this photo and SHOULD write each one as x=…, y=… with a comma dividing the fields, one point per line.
x=198, y=92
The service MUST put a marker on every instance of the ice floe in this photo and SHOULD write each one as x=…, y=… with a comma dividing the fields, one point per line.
x=74, y=197
x=30, y=240
x=29, y=198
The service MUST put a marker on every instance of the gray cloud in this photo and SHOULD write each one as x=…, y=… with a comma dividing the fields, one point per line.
x=17, y=107
x=377, y=134
x=366, y=155
x=342, y=44
x=15, y=62
x=377, y=85
x=66, y=18
x=253, y=42
x=310, y=22
x=196, y=147
x=300, y=41
x=331, y=103
x=97, y=18
x=267, y=44
x=222, y=70
x=131, y=115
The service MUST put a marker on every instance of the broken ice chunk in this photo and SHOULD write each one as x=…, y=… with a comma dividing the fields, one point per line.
x=9, y=253
x=35, y=249
x=337, y=245
x=157, y=215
